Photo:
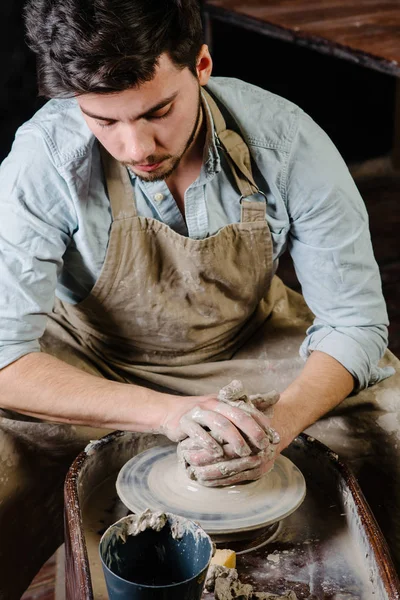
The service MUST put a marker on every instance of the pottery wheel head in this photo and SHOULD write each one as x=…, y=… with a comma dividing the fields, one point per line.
x=155, y=480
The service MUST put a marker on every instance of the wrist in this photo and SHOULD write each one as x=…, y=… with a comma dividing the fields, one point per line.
x=145, y=409
x=168, y=411
x=284, y=420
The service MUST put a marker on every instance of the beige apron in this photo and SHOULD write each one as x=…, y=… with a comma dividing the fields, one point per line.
x=173, y=311
x=167, y=312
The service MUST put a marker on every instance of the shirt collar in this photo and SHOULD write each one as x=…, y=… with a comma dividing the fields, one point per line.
x=211, y=159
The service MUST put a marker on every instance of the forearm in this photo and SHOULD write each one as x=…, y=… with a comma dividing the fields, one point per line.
x=42, y=386
x=321, y=386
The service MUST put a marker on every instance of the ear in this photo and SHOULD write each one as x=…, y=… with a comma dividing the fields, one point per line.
x=204, y=65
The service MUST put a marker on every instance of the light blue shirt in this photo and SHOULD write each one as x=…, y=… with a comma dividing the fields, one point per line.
x=55, y=220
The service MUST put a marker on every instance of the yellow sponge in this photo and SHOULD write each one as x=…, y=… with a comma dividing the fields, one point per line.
x=226, y=558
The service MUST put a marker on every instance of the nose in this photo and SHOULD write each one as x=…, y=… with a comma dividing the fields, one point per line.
x=139, y=143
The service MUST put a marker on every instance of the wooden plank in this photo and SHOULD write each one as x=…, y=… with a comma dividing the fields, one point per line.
x=42, y=587
x=59, y=591
x=367, y=31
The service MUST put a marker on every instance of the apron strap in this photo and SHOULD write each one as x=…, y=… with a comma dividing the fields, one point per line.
x=119, y=187
x=237, y=152
x=252, y=212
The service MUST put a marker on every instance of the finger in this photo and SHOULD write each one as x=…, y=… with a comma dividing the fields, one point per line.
x=242, y=477
x=248, y=421
x=199, y=435
x=269, y=453
x=264, y=422
x=195, y=455
x=224, y=469
x=229, y=451
x=222, y=428
x=272, y=435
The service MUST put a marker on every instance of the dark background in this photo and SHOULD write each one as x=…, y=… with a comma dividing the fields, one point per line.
x=354, y=105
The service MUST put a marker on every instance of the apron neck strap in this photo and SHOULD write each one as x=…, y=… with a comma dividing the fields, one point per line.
x=119, y=187
x=236, y=149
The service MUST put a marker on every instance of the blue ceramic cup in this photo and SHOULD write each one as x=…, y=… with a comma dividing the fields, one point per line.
x=168, y=564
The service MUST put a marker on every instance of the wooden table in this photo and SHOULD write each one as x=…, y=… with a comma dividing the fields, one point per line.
x=366, y=32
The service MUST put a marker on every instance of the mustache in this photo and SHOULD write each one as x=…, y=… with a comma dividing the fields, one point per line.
x=150, y=160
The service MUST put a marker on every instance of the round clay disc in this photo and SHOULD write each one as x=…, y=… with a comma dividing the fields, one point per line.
x=154, y=479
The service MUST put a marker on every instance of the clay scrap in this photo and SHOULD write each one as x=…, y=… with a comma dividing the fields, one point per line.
x=135, y=524
x=219, y=571
x=227, y=586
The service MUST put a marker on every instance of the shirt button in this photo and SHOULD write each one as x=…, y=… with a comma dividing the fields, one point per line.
x=158, y=197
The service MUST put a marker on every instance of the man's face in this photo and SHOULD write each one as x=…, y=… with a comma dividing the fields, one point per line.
x=150, y=127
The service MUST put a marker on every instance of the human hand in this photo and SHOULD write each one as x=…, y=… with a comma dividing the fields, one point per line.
x=216, y=428
x=213, y=469
x=224, y=471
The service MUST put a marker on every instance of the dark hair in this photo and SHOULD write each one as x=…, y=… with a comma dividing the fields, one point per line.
x=106, y=46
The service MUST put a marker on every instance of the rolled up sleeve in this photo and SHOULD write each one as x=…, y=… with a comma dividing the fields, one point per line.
x=34, y=233
x=331, y=248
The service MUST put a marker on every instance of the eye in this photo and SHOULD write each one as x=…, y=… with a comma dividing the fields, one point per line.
x=104, y=125
x=161, y=114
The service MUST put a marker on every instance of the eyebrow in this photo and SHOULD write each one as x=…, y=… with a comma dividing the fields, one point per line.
x=147, y=113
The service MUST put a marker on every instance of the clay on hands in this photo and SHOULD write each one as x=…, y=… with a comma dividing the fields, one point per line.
x=233, y=466
x=235, y=395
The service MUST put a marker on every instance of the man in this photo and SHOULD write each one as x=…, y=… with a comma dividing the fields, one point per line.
x=143, y=213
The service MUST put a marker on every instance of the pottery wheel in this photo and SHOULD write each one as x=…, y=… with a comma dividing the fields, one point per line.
x=154, y=479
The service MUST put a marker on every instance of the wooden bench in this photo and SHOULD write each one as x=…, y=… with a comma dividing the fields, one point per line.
x=366, y=32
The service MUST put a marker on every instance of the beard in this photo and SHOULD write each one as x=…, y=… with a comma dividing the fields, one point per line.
x=174, y=159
